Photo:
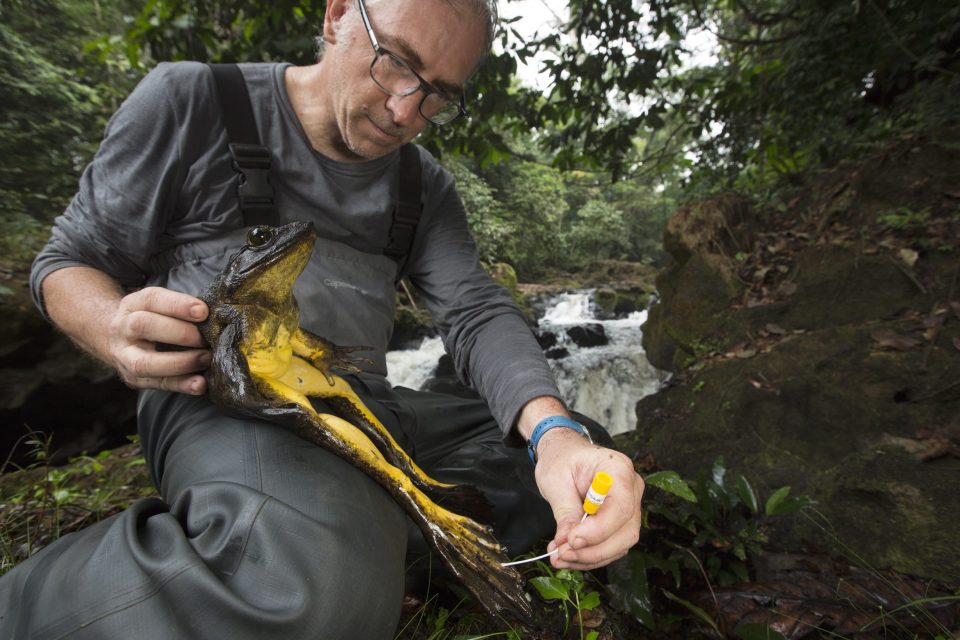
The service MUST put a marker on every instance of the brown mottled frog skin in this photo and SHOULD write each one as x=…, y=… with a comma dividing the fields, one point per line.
x=265, y=366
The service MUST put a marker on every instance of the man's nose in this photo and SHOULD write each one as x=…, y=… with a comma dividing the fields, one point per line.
x=406, y=109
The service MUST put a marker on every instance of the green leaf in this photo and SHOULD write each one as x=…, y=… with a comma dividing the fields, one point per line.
x=551, y=588
x=747, y=494
x=792, y=505
x=757, y=632
x=774, y=501
x=671, y=482
x=590, y=601
x=629, y=588
x=694, y=609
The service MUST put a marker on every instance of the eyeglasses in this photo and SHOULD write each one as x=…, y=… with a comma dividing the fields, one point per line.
x=395, y=77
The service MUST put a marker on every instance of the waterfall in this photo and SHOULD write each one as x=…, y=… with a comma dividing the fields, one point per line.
x=603, y=381
x=413, y=367
x=600, y=365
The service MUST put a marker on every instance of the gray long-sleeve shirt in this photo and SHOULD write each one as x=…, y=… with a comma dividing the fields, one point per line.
x=157, y=206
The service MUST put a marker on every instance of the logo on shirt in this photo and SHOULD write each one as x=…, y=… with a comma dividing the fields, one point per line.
x=339, y=284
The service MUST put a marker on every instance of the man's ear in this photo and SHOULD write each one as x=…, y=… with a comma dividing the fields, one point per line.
x=335, y=11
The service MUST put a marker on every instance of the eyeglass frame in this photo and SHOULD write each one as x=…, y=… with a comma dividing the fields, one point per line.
x=427, y=88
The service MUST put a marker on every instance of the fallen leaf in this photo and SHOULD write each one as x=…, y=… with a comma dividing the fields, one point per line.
x=593, y=618
x=787, y=288
x=743, y=354
x=909, y=257
x=890, y=340
x=956, y=343
x=775, y=329
x=934, y=448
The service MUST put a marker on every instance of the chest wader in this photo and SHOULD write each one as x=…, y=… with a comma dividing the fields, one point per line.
x=453, y=439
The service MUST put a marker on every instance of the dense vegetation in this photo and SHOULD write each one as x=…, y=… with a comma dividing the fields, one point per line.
x=596, y=162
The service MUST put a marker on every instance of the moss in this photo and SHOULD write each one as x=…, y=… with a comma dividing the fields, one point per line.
x=506, y=276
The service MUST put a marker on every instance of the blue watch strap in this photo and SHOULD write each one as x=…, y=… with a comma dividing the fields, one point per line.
x=549, y=423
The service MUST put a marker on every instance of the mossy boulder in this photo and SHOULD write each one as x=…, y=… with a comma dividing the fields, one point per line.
x=616, y=303
x=506, y=276
x=818, y=346
x=836, y=417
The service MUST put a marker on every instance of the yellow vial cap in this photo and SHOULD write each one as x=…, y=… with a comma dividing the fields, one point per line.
x=598, y=491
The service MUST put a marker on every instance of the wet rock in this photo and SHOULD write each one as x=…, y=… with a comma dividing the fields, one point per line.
x=588, y=335
x=81, y=406
x=445, y=380
x=614, y=303
x=546, y=339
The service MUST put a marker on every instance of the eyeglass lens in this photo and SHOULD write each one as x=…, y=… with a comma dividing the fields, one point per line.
x=394, y=76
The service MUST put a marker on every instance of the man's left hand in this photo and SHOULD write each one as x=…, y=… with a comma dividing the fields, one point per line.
x=566, y=465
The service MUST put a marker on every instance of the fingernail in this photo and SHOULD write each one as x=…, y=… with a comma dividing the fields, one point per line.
x=569, y=555
x=198, y=311
x=578, y=543
x=204, y=359
x=196, y=385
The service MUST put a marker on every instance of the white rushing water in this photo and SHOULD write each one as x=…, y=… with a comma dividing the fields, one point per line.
x=413, y=367
x=603, y=382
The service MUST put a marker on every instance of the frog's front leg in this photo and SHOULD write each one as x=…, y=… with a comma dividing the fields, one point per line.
x=324, y=355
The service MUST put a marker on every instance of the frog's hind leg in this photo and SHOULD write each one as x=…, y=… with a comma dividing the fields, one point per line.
x=306, y=379
x=467, y=547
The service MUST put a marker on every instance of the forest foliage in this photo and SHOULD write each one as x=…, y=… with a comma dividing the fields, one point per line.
x=588, y=168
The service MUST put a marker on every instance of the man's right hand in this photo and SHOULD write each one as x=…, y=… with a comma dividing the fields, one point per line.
x=155, y=315
x=123, y=331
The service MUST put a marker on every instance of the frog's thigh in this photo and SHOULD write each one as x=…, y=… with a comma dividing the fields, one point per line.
x=330, y=429
x=305, y=378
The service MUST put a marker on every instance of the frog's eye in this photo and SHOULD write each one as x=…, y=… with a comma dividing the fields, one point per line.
x=259, y=236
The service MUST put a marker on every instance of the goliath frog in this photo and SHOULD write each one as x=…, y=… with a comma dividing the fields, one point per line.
x=265, y=366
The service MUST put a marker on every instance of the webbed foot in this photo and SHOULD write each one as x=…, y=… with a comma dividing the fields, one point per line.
x=472, y=554
x=336, y=357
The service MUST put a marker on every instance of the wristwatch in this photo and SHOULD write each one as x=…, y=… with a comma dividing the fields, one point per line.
x=550, y=423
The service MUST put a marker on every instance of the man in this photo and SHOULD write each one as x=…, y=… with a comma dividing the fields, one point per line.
x=262, y=534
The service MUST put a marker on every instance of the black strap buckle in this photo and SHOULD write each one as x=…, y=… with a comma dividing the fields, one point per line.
x=252, y=164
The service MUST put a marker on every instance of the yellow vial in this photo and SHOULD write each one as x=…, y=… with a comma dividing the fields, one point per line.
x=598, y=491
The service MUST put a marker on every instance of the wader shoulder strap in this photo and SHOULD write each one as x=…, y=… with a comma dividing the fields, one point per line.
x=408, y=208
x=251, y=160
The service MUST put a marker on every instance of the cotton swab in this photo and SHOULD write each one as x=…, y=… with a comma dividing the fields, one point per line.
x=596, y=494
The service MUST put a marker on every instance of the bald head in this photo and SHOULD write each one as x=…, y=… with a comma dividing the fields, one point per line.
x=486, y=10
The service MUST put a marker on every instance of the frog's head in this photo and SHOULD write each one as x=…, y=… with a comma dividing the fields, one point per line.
x=264, y=270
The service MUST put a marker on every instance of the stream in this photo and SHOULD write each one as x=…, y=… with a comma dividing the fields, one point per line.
x=600, y=365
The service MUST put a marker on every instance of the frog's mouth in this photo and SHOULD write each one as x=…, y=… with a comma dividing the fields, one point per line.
x=295, y=240
x=273, y=274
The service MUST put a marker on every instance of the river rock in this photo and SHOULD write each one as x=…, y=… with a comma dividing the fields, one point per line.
x=588, y=335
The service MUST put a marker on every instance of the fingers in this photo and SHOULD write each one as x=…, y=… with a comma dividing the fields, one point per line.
x=608, y=535
x=564, y=473
x=142, y=367
x=154, y=316
x=166, y=302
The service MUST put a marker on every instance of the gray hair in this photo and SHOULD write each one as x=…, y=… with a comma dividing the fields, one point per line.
x=485, y=9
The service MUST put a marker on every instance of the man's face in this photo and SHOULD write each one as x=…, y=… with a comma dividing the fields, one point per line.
x=442, y=43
